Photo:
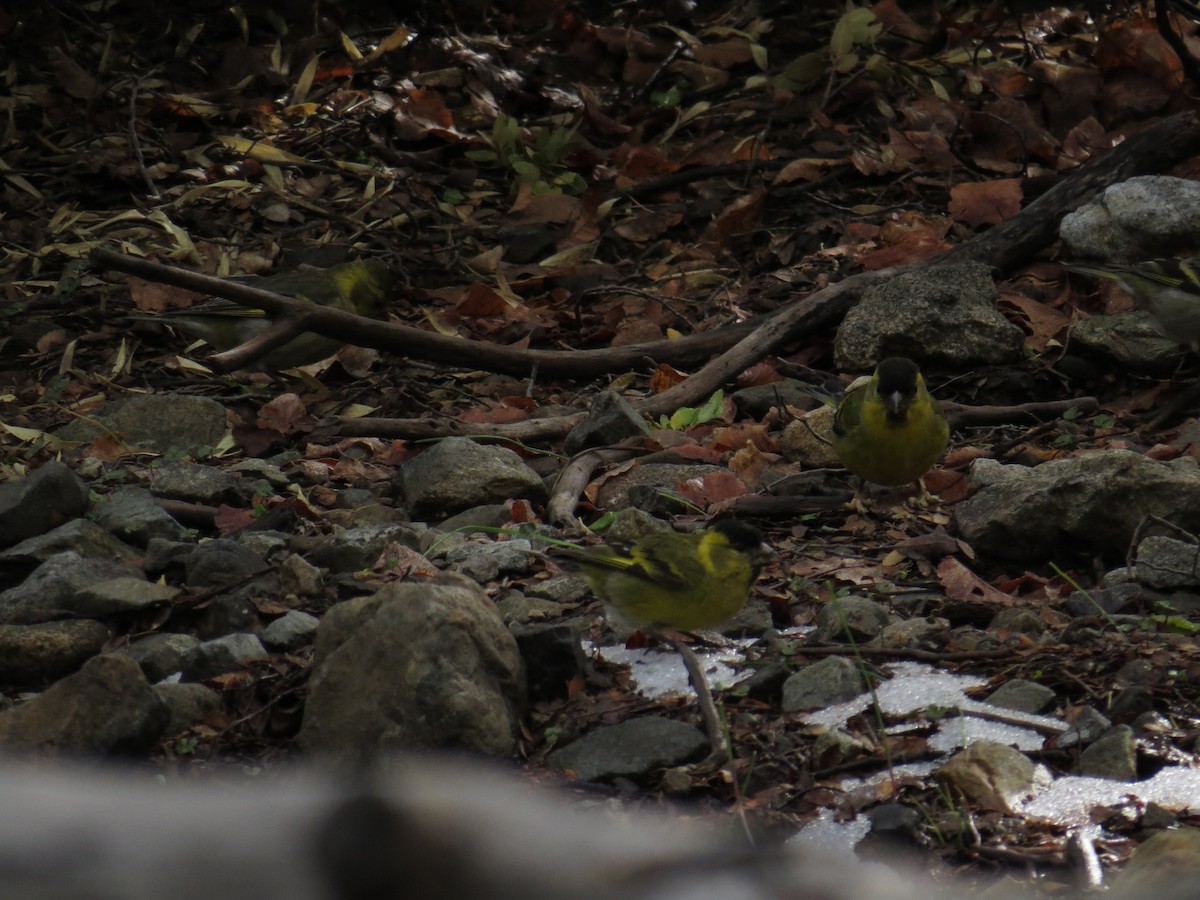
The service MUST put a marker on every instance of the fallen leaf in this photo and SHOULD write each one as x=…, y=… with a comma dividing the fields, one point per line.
x=960, y=583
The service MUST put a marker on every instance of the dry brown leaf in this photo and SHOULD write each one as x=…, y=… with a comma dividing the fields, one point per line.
x=714, y=487
x=960, y=583
x=985, y=202
x=286, y=414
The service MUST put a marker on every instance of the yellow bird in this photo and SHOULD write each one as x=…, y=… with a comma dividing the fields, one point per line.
x=1169, y=289
x=360, y=287
x=679, y=581
x=890, y=430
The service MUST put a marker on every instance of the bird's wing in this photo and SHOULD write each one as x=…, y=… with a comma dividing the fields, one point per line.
x=849, y=411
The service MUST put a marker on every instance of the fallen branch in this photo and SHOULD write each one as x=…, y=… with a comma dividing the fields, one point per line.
x=297, y=316
x=959, y=415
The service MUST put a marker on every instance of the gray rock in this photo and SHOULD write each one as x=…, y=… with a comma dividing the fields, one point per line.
x=1022, y=695
x=292, y=630
x=1089, y=504
x=1113, y=755
x=517, y=607
x=831, y=680
x=191, y=424
x=1134, y=340
x=1165, y=562
x=1089, y=232
x=221, y=655
x=1110, y=600
x=836, y=747
x=1018, y=621
x=915, y=634
x=271, y=546
x=132, y=515
x=234, y=612
x=634, y=747
x=1162, y=866
x=1131, y=703
x=414, y=666
x=35, y=654
x=188, y=703
x=808, y=440
x=270, y=473
x=40, y=501
x=160, y=655
x=487, y=562
x=609, y=421
x=220, y=562
x=355, y=498
x=67, y=584
x=863, y=618
x=163, y=554
x=368, y=515
x=614, y=494
x=458, y=473
x=81, y=535
x=753, y=618
x=968, y=638
x=756, y=401
x=1137, y=671
x=567, y=590
x=1141, y=218
x=945, y=314
x=632, y=524
x=490, y=515
x=122, y=595
x=300, y=578
x=359, y=548
x=992, y=775
x=192, y=481
x=105, y=708
x=1088, y=724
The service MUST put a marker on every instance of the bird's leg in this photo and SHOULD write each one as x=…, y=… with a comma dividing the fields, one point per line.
x=923, y=499
x=858, y=503
x=721, y=752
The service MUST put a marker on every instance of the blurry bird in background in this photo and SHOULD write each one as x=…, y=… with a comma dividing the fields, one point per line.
x=1169, y=289
x=360, y=287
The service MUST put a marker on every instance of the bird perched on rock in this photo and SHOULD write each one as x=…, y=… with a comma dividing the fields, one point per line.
x=1169, y=289
x=889, y=429
x=360, y=287
x=681, y=582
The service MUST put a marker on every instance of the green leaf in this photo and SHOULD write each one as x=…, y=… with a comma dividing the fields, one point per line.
x=805, y=71
x=527, y=171
x=667, y=99
x=712, y=409
x=682, y=418
x=858, y=26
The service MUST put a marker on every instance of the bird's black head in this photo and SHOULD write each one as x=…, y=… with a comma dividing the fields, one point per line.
x=897, y=384
x=744, y=537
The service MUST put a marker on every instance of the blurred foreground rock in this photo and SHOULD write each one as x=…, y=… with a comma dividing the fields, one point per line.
x=426, y=829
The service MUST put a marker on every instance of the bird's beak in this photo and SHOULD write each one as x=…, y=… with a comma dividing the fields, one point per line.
x=894, y=402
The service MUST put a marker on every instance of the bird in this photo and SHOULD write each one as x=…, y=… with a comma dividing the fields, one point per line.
x=681, y=582
x=360, y=286
x=890, y=430
x=685, y=582
x=1169, y=289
